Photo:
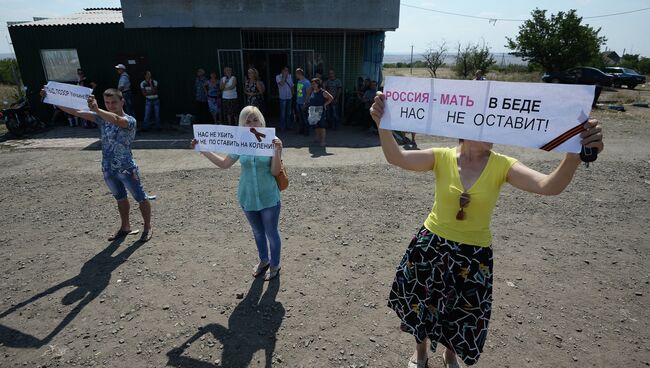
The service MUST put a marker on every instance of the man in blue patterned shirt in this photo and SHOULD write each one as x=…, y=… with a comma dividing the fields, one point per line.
x=119, y=169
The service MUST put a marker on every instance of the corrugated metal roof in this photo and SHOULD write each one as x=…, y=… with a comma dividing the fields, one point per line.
x=88, y=16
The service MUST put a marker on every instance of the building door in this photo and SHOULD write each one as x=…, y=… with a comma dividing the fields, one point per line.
x=304, y=59
x=136, y=66
x=277, y=61
x=268, y=63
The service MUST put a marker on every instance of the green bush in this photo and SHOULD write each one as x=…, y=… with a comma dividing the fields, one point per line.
x=630, y=61
x=7, y=69
x=514, y=68
x=644, y=65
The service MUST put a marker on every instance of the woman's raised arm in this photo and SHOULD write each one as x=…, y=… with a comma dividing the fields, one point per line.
x=522, y=177
x=408, y=160
x=222, y=162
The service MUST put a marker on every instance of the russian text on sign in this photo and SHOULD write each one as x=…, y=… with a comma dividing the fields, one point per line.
x=522, y=114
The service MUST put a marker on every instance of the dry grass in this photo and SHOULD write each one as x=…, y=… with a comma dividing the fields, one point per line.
x=624, y=98
x=8, y=93
x=444, y=73
x=448, y=73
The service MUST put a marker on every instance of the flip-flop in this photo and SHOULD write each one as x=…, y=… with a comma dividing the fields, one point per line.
x=260, y=269
x=273, y=273
x=453, y=364
x=418, y=363
x=123, y=234
x=146, y=236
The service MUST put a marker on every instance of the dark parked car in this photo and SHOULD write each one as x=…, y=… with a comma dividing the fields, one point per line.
x=580, y=75
x=625, y=76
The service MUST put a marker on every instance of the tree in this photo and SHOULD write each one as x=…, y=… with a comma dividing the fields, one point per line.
x=482, y=58
x=630, y=61
x=435, y=58
x=463, y=66
x=471, y=58
x=644, y=65
x=556, y=43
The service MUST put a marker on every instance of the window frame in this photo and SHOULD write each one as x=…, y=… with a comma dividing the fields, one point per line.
x=42, y=53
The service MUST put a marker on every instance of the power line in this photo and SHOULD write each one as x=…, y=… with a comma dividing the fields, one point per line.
x=462, y=15
x=613, y=14
x=494, y=20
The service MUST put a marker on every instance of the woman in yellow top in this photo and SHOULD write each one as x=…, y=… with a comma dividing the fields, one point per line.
x=442, y=290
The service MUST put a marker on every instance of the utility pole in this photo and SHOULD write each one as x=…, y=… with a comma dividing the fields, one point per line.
x=411, y=64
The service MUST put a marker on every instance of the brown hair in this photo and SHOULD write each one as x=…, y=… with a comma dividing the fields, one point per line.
x=112, y=92
x=318, y=82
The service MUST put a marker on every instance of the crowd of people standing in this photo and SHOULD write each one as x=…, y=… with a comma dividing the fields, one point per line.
x=308, y=106
x=218, y=97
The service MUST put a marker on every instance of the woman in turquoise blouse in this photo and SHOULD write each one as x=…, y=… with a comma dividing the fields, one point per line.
x=258, y=194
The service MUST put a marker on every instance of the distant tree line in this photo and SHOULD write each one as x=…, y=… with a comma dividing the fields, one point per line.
x=634, y=61
x=469, y=58
x=415, y=64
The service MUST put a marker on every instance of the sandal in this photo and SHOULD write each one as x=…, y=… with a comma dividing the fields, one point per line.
x=418, y=363
x=122, y=234
x=260, y=269
x=273, y=273
x=146, y=236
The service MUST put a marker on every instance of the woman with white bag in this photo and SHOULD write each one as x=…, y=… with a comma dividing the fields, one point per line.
x=318, y=100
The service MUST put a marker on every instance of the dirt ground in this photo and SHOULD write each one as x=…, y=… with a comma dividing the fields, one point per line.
x=571, y=289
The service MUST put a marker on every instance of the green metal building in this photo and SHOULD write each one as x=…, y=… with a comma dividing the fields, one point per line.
x=175, y=39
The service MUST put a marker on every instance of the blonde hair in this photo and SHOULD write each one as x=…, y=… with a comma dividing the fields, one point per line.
x=255, y=73
x=248, y=111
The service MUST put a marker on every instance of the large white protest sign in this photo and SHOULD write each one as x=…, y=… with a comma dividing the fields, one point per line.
x=233, y=139
x=539, y=115
x=67, y=95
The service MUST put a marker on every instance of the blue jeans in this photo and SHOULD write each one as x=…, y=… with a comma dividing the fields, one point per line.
x=333, y=115
x=285, y=114
x=302, y=118
x=119, y=182
x=265, y=226
x=149, y=107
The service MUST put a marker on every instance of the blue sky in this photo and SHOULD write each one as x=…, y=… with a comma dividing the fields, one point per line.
x=424, y=29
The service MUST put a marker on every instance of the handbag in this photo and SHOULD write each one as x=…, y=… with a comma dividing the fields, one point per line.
x=282, y=179
x=315, y=115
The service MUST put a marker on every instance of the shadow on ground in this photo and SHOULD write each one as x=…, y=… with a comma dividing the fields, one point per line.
x=252, y=326
x=91, y=281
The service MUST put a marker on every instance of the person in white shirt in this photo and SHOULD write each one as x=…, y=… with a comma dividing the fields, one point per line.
x=229, y=103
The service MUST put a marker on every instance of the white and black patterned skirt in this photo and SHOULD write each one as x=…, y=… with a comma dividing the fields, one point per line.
x=443, y=290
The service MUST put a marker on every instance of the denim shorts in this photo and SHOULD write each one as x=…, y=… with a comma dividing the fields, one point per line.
x=119, y=181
